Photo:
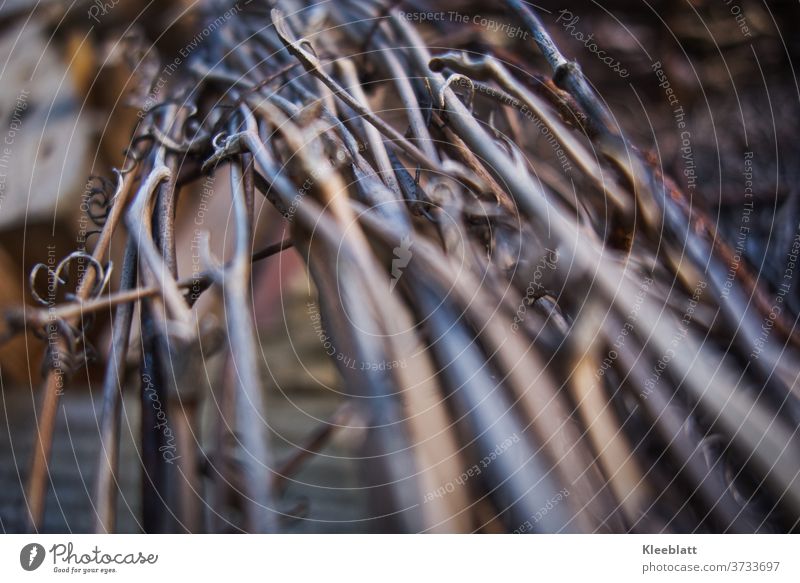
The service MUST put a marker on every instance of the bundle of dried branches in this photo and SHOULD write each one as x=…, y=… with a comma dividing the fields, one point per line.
x=541, y=338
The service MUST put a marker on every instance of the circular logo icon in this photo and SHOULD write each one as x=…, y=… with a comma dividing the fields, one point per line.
x=31, y=556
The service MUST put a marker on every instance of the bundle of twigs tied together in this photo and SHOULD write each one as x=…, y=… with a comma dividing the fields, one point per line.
x=580, y=332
